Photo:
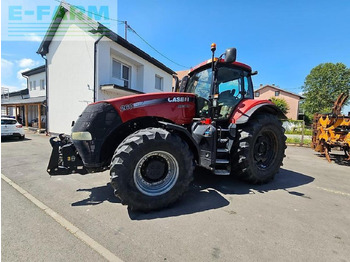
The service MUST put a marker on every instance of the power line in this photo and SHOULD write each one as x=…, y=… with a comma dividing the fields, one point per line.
x=127, y=28
x=132, y=30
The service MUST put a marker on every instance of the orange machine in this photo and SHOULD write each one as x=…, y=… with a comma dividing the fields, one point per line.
x=332, y=130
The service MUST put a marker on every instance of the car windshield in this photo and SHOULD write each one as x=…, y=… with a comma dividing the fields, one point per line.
x=8, y=121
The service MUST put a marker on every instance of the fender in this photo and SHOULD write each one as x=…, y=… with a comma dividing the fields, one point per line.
x=246, y=108
x=183, y=132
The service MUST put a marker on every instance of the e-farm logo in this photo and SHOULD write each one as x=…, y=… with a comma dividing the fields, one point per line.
x=31, y=20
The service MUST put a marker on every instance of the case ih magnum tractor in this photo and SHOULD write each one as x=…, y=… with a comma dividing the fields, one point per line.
x=152, y=142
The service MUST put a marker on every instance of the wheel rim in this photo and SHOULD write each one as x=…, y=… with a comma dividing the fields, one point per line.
x=156, y=173
x=265, y=149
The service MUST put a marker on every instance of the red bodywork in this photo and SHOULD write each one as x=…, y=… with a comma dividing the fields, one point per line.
x=177, y=107
x=246, y=107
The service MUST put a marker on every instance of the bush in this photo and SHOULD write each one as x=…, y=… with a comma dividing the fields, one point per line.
x=281, y=103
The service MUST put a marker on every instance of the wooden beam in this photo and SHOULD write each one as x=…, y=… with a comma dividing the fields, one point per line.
x=39, y=116
x=26, y=114
x=7, y=110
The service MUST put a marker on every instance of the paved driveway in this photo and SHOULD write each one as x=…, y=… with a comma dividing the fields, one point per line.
x=303, y=215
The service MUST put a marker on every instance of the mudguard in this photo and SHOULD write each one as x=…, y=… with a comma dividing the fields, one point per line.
x=246, y=108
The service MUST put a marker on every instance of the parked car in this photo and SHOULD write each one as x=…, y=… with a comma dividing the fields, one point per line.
x=11, y=128
x=8, y=116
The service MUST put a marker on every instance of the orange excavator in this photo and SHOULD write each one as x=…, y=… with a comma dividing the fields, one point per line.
x=332, y=130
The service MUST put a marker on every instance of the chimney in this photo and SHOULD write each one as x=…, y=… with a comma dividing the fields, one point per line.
x=261, y=84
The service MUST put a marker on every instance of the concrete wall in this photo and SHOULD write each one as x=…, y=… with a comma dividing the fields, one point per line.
x=70, y=75
x=293, y=101
x=37, y=92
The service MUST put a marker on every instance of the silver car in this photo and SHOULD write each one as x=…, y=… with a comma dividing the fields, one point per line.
x=11, y=128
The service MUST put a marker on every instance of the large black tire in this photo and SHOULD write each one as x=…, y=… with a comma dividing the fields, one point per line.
x=151, y=169
x=259, y=148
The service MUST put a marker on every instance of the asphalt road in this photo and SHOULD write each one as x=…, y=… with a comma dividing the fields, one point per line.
x=303, y=215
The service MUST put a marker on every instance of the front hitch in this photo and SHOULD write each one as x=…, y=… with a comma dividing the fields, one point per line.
x=64, y=159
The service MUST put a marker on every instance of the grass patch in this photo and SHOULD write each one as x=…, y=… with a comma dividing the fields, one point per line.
x=297, y=140
x=307, y=132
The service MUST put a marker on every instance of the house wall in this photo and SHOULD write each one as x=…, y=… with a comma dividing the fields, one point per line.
x=142, y=72
x=37, y=92
x=70, y=75
x=292, y=100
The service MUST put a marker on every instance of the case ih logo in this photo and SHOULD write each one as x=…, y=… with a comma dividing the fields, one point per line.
x=179, y=99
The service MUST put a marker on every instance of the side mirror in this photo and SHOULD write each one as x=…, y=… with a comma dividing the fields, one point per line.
x=230, y=55
x=176, y=87
x=183, y=83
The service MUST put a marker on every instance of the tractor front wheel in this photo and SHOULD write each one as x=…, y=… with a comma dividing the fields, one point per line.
x=259, y=149
x=151, y=169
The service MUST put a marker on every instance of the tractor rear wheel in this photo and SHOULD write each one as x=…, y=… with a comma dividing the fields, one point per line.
x=151, y=169
x=259, y=149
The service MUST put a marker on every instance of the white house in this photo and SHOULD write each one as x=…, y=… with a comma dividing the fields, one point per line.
x=86, y=62
x=36, y=84
x=28, y=104
x=9, y=101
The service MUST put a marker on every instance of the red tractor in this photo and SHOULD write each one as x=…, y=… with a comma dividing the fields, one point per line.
x=152, y=142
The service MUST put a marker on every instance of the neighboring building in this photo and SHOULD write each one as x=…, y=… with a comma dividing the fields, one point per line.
x=10, y=100
x=36, y=107
x=268, y=91
x=101, y=65
x=29, y=103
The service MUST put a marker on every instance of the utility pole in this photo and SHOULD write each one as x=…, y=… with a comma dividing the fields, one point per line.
x=126, y=30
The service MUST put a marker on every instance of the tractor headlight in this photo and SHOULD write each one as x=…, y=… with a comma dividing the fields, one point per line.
x=81, y=136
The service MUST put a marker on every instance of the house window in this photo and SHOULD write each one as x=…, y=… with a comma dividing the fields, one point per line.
x=122, y=72
x=30, y=85
x=42, y=84
x=257, y=94
x=159, y=83
x=277, y=93
x=34, y=85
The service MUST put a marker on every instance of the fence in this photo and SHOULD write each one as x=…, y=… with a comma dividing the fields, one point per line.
x=297, y=132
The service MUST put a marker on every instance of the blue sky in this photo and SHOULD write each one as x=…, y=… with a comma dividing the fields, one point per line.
x=282, y=40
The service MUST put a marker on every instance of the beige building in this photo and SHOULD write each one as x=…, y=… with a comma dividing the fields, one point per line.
x=269, y=91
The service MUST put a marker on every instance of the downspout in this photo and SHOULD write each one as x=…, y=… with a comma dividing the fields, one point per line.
x=47, y=97
x=95, y=67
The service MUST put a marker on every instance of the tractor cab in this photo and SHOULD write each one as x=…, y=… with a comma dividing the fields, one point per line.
x=219, y=85
x=233, y=84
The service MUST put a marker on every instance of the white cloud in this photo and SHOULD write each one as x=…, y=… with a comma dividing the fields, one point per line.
x=19, y=74
x=6, y=67
x=33, y=37
x=27, y=62
x=12, y=88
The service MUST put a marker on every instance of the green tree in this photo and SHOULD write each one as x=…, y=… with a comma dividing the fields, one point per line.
x=323, y=85
x=281, y=103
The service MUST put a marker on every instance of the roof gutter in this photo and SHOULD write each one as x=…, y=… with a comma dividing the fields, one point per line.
x=95, y=67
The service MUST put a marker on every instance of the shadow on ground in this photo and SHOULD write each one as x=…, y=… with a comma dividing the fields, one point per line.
x=13, y=139
x=206, y=192
x=337, y=157
x=97, y=196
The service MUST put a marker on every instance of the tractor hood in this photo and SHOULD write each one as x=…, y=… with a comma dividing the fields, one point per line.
x=176, y=107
